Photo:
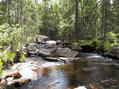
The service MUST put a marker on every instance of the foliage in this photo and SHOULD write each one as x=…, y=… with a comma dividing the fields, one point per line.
x=14, y=36
x=7, y=56
x=1, y=65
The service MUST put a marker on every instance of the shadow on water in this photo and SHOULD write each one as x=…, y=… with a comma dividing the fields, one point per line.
x=78, y=72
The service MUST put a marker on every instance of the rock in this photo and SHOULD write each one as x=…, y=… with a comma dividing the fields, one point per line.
x=32, y=48
x=10, y=73
x=10, y=81
x=3, y=83
x=29, y=71
x=21, y=81
x=76, y=48
x=92, y=86
x=46, y=49
x=81, y=87
x=51, y=42
x=50, y=64
x=42, y=39
x=41, y=46
x=66, y=52
x=61, y=58
x=59, y=42
x=113, y=51
x=45, y=52
x=1, y=12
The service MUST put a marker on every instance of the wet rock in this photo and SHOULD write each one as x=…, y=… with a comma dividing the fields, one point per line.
x=42, y=39
x=76, y=48
x=66, y=52
x=113, y=51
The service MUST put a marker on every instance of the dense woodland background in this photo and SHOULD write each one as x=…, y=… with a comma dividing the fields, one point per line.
x=68, y=20
x=84, y=22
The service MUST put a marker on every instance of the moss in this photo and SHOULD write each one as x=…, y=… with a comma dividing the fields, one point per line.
x=86, y=42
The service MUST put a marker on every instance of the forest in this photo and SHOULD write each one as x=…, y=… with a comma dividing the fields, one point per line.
x=76, y=41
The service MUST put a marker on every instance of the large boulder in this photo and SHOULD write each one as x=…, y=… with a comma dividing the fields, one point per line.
x=29, y=71
x=113, y=51
x=42, y=39
x=66, y=52
x=46, y=49
x=22, y=73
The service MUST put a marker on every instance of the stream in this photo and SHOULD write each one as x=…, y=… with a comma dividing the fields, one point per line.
x=91, y=70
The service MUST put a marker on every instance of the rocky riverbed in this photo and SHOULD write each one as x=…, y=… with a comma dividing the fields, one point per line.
x=52, y=64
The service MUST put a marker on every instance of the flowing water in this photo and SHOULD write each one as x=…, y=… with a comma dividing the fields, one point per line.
x=90, y=70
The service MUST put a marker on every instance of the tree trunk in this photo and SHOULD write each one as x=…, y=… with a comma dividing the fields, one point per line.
x=104, y=21
x=8, y=11
x=21, y=11
x=18, y=10
x=76, y=19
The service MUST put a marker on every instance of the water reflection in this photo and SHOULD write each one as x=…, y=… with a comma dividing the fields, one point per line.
x=77, y=73
x=54, y=79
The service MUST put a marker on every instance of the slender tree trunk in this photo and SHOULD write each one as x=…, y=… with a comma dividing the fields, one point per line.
x=8, y=11
x=45, y=18
x=104, y=21
x=21, y=11
x=18, y=12
x=76, y=19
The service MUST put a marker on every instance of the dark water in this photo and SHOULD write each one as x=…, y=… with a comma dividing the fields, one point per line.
x=90, y=69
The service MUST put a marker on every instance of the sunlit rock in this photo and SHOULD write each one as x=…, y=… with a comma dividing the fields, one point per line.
x=51, y=42
x=10, y=73
x=81, y=87
x=50, y=64
x=3, y=83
